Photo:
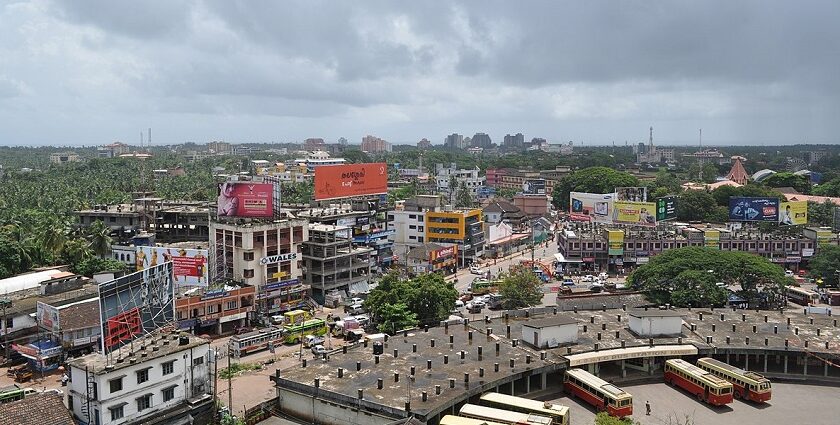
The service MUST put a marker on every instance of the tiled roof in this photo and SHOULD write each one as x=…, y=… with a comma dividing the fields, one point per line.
x=36, y=409
x=738, y=174
x=80, y=316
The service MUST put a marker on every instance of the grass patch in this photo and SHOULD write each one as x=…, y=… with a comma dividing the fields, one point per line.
x=237, y=368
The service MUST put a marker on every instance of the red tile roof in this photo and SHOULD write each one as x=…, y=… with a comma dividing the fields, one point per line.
x=738, y=174
x=36, y=409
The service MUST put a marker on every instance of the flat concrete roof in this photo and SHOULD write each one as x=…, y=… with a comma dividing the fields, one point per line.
x=655, y=312
x=548, y=322
x=166, y=343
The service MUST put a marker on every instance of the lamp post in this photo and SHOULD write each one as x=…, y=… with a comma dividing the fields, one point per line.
x=5, y=303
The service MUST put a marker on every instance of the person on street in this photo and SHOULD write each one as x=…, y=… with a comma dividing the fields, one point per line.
x=647, y=408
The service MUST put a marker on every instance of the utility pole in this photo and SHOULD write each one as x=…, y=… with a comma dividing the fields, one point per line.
x=230, y=383
x=216, y=386
x=5, y=302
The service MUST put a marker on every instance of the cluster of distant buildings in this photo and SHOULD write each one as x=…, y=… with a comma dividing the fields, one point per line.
x=481, y=142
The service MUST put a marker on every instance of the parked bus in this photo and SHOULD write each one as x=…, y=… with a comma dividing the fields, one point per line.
x=706, y=386
x=746, y=385
x=255, y=341
x=485, y=413
x=597, y=392
x=458, y=420
x=559, y=414
x=802, y=296
x=295, y=333
x=13, y=393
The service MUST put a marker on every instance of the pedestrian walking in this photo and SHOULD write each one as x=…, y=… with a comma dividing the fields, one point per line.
x=647, y=408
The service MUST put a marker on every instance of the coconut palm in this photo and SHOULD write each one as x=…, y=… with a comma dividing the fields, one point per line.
x=99, y=236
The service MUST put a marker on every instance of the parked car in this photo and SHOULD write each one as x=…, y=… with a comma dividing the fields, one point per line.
x=363, y=319
x=355, y=309
x=568, y=282
x=459, y=304
x=312, y=340
x=319, y=350
x=789, y=273
x=588, y=279
x=476, y=270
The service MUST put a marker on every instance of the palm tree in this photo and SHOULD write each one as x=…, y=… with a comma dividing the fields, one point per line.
x=99, y=236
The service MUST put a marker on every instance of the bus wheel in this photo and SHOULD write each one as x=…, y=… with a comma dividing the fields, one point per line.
x=737, y=394
x=700, y=397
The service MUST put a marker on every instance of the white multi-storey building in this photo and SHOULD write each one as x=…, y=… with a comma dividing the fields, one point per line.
x=164, y=378
x=409, y=229
x=470, y=177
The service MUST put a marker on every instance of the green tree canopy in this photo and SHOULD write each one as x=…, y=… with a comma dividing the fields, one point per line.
x=677, y=277
x=520, y=288
x=395, y=317
x=463, y=199
x=92, y=265
x=592, y=180
x=785, y=179
x=826, y=264
x=821, y=214
x=696, y=205
x=427, y=296
x=830, y=188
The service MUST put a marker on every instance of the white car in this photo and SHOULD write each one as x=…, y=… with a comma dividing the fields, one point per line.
x=459, y=304
x=588, y=278
x=476, y=270
x=318, y=350
x=789, y=273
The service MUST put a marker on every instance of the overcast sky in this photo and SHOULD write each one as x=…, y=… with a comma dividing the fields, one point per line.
x=746, y=72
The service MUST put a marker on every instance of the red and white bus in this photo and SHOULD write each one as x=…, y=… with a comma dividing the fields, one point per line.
x=746, y=385
x=706, y=386
x=604, y=396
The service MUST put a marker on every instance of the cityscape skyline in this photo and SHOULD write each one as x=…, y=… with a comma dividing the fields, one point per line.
x=94, y=72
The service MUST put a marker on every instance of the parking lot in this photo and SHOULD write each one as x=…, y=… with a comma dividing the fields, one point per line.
x=791, y=404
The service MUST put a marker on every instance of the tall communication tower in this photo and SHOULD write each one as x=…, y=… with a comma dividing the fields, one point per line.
x=650, y=142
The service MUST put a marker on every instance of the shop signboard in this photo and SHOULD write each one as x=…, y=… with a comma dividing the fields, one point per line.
x=47, y=317
x=280, y=258
x=712, y=238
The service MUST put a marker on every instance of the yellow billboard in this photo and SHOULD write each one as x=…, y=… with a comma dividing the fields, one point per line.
x=712, y=238
x=615, y=240
x=638, y=213
x=793, y=213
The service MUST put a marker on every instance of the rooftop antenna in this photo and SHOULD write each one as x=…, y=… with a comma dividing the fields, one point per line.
x=651, y=138
x=701, y=139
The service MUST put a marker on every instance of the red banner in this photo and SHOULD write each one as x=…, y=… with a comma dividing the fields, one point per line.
x=339, y=181
x=246, y=199
x=123, y=327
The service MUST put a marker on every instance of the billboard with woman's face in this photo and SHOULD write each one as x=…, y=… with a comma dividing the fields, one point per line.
x=245, y=199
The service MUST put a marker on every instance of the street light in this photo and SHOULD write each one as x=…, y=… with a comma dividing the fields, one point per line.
x=5, y=303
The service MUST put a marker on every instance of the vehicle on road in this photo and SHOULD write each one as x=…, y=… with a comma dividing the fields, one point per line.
x=588, y=279
x=318, y=350
x=485, y=413
x=459, y=304
x=15, y=393
x=256, y=340
x=493, y=301
x=312, y=340
x=789, y=273
x=557, y=412
x=481, y=286
x=702, y=384
x=475, y=306
x=604, y=396
x=746, y=385
x=802, y=296
x=354, y=309
x=476, y=270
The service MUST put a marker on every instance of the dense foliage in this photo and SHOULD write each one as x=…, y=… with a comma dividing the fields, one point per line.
x=520, y=288
x=592, y=180
x=826, y=265
x=428, y=298
x=688, y=277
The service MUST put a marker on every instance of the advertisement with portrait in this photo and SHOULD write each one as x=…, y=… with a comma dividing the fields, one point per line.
x=632, y=194
x=47, y=317
x=189, y=265
x=793, y=213
x=339, y=181
x=592, y=207
x=533, y=187
x=136, y=304
x=636, y=213
x=753, y=209
x=666, y=208
x=615, y=239
x=245, y=199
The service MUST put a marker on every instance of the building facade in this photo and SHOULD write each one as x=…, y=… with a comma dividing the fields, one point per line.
x=373, y=144
x=463, y=228
x=218, y=310
x=64, y=157
x=454, y=141
x=469, y=177
x=332, y=263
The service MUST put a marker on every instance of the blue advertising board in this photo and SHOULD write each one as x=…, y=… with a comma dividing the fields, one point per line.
x=753, y=209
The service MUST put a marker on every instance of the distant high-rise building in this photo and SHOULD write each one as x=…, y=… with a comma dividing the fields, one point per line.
x=538, y=141
x=454, y=141
x=517, y=141
x=373, y=144
x=313, y=144
x=424, y=144
x=481, y=140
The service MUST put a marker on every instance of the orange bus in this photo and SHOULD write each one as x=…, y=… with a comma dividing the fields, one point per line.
x=746, y=385
x=604, y=396
x=706, y=386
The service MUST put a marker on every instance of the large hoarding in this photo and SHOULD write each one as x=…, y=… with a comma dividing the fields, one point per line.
x=632, y=194
x=711, y=238
x=666, y=208
x=189, y=265
x=593, y=207
x=339, y=181
x=245, y=199
x=136, y=304
x=533, y=187
x=636, y=213
x=47, y=317
x=793, y=213
x=753, y=209
x=615, y=239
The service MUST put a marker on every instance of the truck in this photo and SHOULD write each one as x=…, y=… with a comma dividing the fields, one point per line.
x=345, y=325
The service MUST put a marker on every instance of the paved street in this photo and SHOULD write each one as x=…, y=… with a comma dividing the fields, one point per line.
x=791, y=404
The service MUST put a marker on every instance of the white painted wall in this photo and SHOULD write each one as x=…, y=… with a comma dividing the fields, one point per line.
x=304, y=407
x=651, y=326
x=550, y=336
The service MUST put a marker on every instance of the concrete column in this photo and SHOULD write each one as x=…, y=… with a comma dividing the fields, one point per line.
x=786, y=357
x=623, y=370
x=805, y=367
x=747, y=362
x=512, y=387
x=544, y=378
x=825, y=368
x=527, y=385
x=765, y=362
x=727, y=357
x=591, y=368
x=649, y=364
x=219, y=328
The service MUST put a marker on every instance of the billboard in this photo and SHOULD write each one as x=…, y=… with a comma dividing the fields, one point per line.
x=754, y=209
x=615, y=239
x=245, y=199
x=593, y=207
x=189, y=265
x=339, y=181
x=793, y=213
x=136, y=304
x=47, y=317
x=637, y=213
x=666, y=208
x=451, y=251
x=533, y=187
x=711, y=238
x=633, y=194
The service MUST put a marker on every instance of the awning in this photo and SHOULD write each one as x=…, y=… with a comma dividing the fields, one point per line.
x=507, y=239
x=561, y=259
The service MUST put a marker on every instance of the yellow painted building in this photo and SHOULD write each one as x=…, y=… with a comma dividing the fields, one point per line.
x=464, y=228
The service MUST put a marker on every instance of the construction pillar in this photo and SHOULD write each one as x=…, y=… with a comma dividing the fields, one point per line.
x=765, y=362
x=544, y=378
x=786, y=360
x=623, y=370
x=527, y=385
x=747, y=362
x=805, y=367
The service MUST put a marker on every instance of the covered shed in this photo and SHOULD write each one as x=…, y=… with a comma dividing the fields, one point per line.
x=550, y=332
x=655, y=322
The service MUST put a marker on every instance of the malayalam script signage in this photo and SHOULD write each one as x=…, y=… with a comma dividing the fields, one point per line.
x=793, y=213
x=136, y=304
x=753, y=209
x=712, y=238
x=245, y=199
x=666, y=208
x=280, y=258
x=189, y=265
x=338, y=181
x=637, y=213
x=631, y=353
x=445, y=252
x=592, y=207
x=47, y=317
x=533, y=187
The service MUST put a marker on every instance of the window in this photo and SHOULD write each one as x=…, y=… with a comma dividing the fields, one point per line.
x=167, y=367
x=144, y=402
x=116, y=412
x=142, y=376
x=412, y=217
x=112, y=219
x=168, y=393
x=248, y=256
x=10, y=323
x=419, y=239
x=231, y=305
x=412, y=227
x=115, y=384
x=198, y=361
x=248, y=273
x=390, y=217
x=411, y=238
x=419, y=228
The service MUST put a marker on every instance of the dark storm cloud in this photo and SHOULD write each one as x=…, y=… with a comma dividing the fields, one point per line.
x=598, y=70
